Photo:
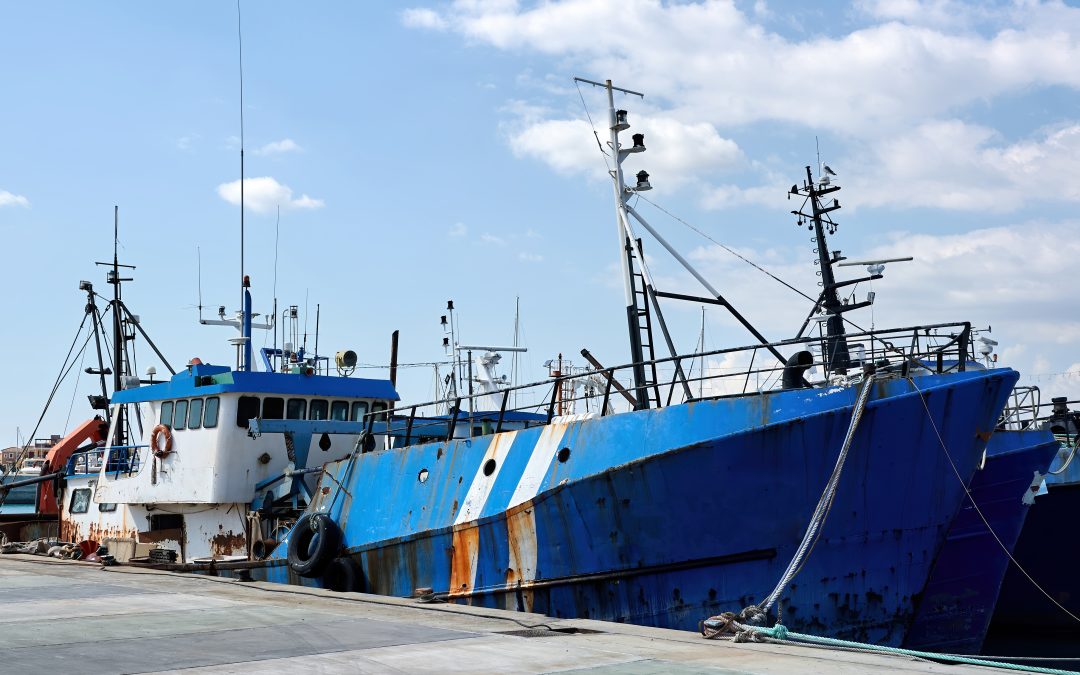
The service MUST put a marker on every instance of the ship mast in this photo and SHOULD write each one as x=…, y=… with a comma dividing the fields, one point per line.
x=835, y=354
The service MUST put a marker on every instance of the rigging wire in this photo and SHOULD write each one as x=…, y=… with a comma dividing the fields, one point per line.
x=64, y=370
x=75, y=389
x=728, y=249
x=592, y=124
x=967, y=493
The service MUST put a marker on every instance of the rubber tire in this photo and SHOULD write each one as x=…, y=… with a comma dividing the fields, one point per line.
x=327, y=544
x=343, y=575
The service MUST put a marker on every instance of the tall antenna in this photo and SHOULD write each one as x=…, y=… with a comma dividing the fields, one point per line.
x=817, y=146
x=277, y=228
x=240, y=44
x=198, y=264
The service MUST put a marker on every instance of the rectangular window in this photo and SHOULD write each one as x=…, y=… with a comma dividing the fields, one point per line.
x=210, y=413
x=318, y=409
x=80, y=501
x=166, y=413
x=296, y=409
x=166, y=521
x=247, y=408
x=194, y=417
x=106, y=508
x=339, y=411
x=379, y=407
x=359, y=409
x=180, y=418
x=273, y=408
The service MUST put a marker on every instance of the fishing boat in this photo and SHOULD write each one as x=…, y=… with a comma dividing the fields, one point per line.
x=954, y=610
x=673, y=507
x=1049, y=556
x=834, y=463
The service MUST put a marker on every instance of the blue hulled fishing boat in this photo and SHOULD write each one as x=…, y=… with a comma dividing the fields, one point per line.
x=834, y=462
x=955, y=609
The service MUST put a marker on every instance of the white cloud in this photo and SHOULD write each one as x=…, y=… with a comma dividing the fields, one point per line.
x=871, y=79
x=279, y=147
x=264, y=194
x=10, y=199
x=185, y=142
x=423, y=18
x=458, y=230
x=677, y=154
x=530, y=257
x=492, y=239
x=954, y=165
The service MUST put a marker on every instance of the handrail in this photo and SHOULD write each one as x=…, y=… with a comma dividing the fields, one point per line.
x=927, y=348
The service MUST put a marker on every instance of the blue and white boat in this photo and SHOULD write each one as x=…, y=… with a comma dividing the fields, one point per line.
x=649, y=505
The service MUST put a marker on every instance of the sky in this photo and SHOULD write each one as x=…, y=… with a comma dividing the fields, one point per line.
x=399, y=155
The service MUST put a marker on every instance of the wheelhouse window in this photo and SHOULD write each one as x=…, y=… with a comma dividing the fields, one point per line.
x=210, y=412
x=247, y=408
x=166, y=413
x=80, y=501
x=359, y=409
x=379, y=407
x=107, y=507
x=296, y=409
x=318, y=409
x=339, y=411
x=194, y=418
x=180, y=416
x=273, y=408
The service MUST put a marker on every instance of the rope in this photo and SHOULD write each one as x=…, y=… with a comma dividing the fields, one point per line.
x=967, y=491
x=813, y=530
x=779, y=633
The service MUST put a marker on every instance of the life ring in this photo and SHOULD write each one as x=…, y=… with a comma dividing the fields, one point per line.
x=313, y=543
x=161, y=451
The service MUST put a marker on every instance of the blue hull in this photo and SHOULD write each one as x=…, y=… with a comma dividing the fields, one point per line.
x=955, y=609
x=663, y=517
x=1050, y=552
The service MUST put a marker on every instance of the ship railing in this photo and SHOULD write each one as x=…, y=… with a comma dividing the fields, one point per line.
x=1022, y=410
x=118, y=460
x=731, y=372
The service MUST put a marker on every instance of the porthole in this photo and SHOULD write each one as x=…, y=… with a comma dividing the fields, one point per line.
x=422, y=476
x=489, y=467
x=563, y=455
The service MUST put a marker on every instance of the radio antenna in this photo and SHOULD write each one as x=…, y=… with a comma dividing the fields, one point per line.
x=240, y=45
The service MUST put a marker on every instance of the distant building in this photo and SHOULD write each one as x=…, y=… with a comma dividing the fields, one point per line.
x=38, y=449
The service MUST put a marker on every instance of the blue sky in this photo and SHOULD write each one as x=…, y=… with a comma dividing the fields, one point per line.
x=421, y=152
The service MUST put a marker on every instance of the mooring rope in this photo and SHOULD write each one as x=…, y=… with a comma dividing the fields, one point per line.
x=813, y=530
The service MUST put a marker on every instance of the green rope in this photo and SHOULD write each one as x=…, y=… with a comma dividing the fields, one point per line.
x=780, y=632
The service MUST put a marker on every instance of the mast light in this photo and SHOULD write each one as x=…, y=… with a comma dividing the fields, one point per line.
x=639, y=143
x=642, y=182
x=620, y=121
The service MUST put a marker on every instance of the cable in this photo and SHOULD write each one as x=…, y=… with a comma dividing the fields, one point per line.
x=728, y=249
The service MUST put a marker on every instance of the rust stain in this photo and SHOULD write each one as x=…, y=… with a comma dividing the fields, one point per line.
x=466, y=551
x=521, y=540
x=227, y=543
x=984, y=435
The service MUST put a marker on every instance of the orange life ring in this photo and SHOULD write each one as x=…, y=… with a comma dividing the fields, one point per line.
x=161, y=451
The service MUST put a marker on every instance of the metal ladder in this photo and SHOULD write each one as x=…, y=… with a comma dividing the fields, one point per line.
x=650, y=388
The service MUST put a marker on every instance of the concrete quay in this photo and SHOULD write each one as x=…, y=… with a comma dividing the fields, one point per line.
x=72, y=617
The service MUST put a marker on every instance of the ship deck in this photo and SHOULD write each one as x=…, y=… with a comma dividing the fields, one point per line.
x=60, y=616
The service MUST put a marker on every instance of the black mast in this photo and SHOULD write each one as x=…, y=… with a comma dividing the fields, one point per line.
x=835, y=354
x=113, y=278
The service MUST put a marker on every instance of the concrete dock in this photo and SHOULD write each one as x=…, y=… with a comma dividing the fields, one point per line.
x=68, y=617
